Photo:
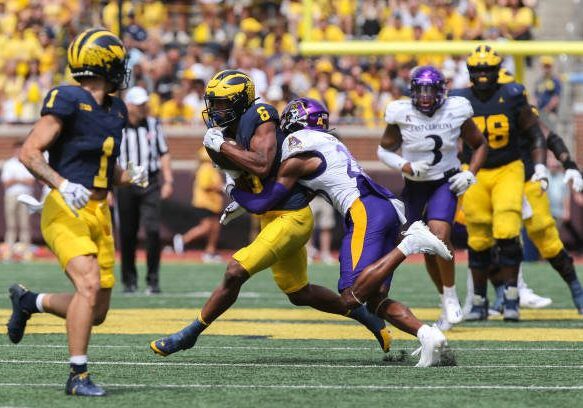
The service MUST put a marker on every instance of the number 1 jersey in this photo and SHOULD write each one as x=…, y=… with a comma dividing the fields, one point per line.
x=87, y=149
x=432, y=139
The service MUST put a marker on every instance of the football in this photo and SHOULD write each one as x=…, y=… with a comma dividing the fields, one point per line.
x=220, y=159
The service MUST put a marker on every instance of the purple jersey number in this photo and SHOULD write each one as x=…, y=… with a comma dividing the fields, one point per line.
x=352, y=174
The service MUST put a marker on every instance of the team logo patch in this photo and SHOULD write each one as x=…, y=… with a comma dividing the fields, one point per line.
x=293, y=143
x=85, y=107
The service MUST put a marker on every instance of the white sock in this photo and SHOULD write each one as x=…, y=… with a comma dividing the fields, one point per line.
x=422, y=330
x=78, y=360
x=449, y=292
x=39, y=302
x=521, y=282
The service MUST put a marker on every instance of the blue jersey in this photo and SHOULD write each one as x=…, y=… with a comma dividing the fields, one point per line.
x=498, y=119
x=87, y=148
x=256, y=115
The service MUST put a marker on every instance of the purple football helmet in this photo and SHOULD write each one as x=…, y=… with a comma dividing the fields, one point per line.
x=304, y=113
x=428, y=91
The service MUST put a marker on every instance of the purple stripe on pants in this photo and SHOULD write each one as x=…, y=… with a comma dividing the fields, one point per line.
x=429, y=200
x=380, y=237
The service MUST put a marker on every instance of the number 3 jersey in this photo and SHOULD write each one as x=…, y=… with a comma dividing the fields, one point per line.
x=498, y=119
x=339, y=176
x=432, y=139
x=87, y=149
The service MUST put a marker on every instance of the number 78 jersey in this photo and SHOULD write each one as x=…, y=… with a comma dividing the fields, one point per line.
x=432, y=139
x=339, y=177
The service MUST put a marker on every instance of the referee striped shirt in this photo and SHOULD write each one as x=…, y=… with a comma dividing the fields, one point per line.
x=143, y=145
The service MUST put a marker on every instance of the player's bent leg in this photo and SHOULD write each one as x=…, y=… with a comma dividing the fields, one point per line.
x=222, y=298
x=479, y=262
x=563, y=264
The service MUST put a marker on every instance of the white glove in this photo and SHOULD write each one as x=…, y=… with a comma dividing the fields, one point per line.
x=230, y=177
x=574, y=176
x=419, y=168
x=32, y=204
x=233, y=210
x=213, y=139
x=541, y=174
x=460, y=182
x=138, y=175
x=75, y=195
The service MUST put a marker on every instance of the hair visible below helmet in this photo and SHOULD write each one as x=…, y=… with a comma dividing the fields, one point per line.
x=484, y=65
x=98, y=52
x=227, y=96
x=304, y=113
x=428, y=89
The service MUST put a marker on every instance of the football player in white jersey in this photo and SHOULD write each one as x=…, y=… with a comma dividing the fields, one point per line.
x=373, y=216
x=427, y=129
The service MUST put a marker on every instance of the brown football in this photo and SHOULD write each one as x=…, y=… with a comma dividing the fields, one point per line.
x=220, y=159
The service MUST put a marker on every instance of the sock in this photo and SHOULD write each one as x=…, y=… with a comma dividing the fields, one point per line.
x=362, y=315
x=422, y=330
x=480, y=290
x=190, y=333
x=576, y=289
x=39, y=302
x=28, y=302
x=449, y=292
x=78, y=364
x=499, y=291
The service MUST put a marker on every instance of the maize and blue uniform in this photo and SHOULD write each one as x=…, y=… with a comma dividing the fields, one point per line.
x=285, y=229
x=432, y=139
x=85, y=152
x=493, y=205
x=372, y=214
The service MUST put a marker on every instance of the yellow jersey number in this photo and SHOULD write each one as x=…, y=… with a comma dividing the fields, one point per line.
x=496, y=128
x=100, y=180
x=263, y=113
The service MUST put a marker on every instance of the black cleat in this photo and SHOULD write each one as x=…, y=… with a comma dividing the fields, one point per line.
x=20, y=316
x=81, y=384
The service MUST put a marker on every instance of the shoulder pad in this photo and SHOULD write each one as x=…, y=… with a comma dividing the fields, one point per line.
x=461, y=106
x=296, y=143
x=61, y=101
x=514, y=89
x=396, y=111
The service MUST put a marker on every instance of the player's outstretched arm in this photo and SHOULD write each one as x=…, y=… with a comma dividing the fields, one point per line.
x=556, y=145
x=259, y=159
x=472, y=136
x=290, y=171
x=45, y=131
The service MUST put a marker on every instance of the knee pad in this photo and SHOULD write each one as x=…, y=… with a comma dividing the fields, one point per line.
x=479, y=259
x=509, y=252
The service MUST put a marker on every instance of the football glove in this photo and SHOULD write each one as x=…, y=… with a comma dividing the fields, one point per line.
x=213, y=139
x=541, y=174
x=419, y=168
x=233, y=211
x=460, y=182
x=138, y=175
x=230, y=177
x=574, y=176
x=75, y=195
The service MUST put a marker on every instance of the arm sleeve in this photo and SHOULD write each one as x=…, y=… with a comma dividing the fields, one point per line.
x=271, y=194
x=60, y=103
x=556, y=145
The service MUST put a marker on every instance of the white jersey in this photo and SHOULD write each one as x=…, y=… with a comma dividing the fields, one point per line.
x=431, y=139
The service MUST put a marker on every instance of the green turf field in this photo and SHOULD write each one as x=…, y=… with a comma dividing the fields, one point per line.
x=267, y=353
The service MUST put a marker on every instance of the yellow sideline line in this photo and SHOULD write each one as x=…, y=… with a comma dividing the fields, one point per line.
x=301, y=324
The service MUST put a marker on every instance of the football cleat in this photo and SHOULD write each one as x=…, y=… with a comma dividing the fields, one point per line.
x=169, y=345
x=511, y=302
x=479, y=310
x=433, y=344
x=421, y=240
x=442, y=323
x=452, y=310
x=384, y=338
x=498, y=305
x=578, y=300
x=81, y=385
x=20, y=316
x=530, y=300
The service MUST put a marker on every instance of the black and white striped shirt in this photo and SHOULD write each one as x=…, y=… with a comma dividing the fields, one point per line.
x=143, y=145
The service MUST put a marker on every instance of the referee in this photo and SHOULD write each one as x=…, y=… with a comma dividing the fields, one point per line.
x=143, y=144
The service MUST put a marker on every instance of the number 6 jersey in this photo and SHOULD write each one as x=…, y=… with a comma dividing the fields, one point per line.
x=87, y=148
x=432, y=139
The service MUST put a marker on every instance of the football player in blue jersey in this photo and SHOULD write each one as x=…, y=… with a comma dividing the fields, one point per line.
x=81, y=129
x=256, y=150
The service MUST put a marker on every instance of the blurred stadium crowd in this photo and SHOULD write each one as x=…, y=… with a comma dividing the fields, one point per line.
x=175, y=46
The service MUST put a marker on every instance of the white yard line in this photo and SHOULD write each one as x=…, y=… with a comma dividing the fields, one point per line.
x=286, y=365
x=322, y=386
x=372, y=348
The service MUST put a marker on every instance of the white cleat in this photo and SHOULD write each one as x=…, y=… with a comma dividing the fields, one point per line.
x=178, y=244
x=433, y=344
x=418, y=239
x=531, y=300
x=452, y=310
x=442, y=323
